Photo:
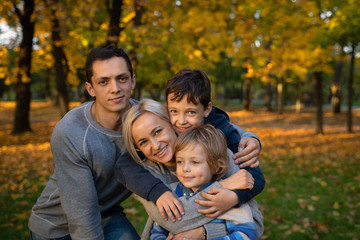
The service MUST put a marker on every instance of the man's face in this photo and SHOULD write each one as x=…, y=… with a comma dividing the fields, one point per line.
x=185, y=115
x=112, y=84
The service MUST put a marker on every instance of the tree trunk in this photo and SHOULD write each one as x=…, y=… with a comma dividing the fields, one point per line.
x=114, y=26
x=61, y=68
x=23, y=94
x=47, y=85
x=247, y=101
x=268, y=97
x=318, y=102
x=280, y=104
x=350, y=89
x=335, y=87
x=298, y=97
x=139, y=6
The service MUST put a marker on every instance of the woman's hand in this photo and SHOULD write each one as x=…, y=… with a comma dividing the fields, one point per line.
x=169, y=205
x=196, y=233
x=218, y=200
x=239, y=180
x=249, y=153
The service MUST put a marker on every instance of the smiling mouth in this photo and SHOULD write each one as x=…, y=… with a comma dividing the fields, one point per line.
x=161, y=151
x=182, y=129
x=187, y=178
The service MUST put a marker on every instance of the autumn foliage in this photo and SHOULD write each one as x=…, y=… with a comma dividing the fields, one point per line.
x=312, y=189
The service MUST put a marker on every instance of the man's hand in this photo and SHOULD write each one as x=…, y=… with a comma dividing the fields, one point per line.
x=218, y=200
x=249, y=153
x=169, y=205
x=239, y=180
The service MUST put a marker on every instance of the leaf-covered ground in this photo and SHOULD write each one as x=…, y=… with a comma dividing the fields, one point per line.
x=312, y=189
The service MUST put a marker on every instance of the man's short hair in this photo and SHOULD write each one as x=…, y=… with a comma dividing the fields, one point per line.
x=104, y=53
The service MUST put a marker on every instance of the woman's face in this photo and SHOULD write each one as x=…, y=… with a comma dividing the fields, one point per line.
x=155, y=137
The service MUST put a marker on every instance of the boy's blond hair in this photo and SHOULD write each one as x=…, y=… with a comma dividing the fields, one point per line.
x=212, y=141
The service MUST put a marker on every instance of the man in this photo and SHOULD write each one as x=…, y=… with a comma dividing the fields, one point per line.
x=82, y=198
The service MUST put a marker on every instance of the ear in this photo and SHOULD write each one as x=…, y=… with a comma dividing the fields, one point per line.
x=133, y=82
x=90, y=89
x=217, y=169
x=208, y=109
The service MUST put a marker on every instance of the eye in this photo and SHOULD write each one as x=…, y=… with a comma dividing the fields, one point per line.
x=173, y=112
x=102, y=82
x=179, y=162
x=142, y=143
x=191, y=112
x=157, y=132
x=195, y=162
x=122, y=79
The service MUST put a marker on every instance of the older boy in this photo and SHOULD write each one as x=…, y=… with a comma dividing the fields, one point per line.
x=188, y=96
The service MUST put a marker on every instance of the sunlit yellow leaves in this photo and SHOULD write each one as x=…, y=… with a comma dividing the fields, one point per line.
x=4, y=60
x=104, y=26
x=250, y=72
x=197, y=53
x=123, y=37
x=128, y=17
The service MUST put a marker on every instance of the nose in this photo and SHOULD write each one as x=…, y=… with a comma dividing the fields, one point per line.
x=186, y=167
x=182, y=118
x=155, y=144
x=115, y=87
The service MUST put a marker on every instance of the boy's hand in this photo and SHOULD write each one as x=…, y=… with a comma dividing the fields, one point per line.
x=169, y=205
x=249, y=153
x=218, y=200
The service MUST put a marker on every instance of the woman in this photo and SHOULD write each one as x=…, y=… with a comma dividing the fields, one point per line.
x=147, y=128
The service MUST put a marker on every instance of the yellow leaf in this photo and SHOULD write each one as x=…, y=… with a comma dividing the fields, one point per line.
x=128, y=17
x=322, y=183
x=197, y=53
x=336, y=205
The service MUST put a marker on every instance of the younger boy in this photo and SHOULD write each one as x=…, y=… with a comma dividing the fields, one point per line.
x=188, y=97
x=200, y=162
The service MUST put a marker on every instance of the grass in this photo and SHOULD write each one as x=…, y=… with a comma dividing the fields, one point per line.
x=312, y=189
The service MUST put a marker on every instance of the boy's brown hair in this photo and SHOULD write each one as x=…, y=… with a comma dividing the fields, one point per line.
x=212, y=141
x=191, y=82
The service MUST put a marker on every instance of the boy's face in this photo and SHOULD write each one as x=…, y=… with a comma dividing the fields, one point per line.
x=185, y=115
x=192, y=168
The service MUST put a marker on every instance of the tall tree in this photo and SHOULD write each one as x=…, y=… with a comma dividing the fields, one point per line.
x=335, y=86
x=350, y=89
x=23, y=94
x=319, y=102
x=114, y=8
x=344, y=29
x=60, y=59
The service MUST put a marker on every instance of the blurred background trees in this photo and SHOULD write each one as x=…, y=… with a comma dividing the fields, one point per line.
x=273, y=53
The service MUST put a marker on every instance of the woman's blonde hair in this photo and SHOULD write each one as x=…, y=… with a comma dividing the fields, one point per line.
x=144, y=106
x=212, y=141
